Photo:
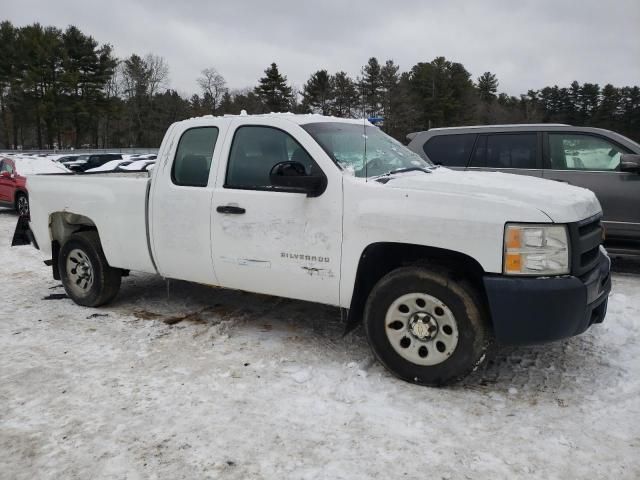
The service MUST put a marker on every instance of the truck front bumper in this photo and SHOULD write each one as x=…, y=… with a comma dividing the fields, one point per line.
x=537, y=310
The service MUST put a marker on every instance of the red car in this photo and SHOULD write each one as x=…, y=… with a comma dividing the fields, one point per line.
x=13, y=171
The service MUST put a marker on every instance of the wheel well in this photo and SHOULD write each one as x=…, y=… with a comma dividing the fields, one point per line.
x=378, y=259
x=61, y=226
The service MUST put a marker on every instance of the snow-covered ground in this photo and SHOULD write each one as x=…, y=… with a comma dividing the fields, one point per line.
x=197, y=382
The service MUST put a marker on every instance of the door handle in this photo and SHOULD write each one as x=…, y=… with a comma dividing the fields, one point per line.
x=230, y=209
x=561, y=181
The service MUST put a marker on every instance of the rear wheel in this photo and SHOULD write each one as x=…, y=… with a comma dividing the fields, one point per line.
x=22, y=204
x=86, y=276
x=425, y=327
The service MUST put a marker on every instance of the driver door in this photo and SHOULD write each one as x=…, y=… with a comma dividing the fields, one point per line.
x=270, y=241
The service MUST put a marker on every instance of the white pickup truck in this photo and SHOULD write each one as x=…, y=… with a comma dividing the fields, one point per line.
x=436, y=263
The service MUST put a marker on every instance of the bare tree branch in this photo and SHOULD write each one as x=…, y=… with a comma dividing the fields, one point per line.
x=213, y=85
x=158, y=71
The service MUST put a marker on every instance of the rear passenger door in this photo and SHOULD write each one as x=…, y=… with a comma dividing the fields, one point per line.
x=518, y=152
x=593, y=162
x=180, y=203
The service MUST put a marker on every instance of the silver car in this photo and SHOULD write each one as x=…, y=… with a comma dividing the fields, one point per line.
x=602, y=161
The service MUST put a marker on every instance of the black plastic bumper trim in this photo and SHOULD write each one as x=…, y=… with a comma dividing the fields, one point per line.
x=538, y=310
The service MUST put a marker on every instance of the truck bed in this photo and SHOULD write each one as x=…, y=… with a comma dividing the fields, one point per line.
x=115, y=202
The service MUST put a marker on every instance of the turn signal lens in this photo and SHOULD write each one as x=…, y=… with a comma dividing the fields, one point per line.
x=513, y=262
x=536, y=250
x=513, y=238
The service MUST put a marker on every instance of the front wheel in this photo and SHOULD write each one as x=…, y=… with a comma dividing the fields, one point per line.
x=22, y=205
x=425, y=327
x=86, y=276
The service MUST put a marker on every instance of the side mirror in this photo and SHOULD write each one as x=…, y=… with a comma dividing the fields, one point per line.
x=630, y=162
x=292, y=177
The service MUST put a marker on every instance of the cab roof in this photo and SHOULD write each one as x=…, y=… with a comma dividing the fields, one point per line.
x=298, y=118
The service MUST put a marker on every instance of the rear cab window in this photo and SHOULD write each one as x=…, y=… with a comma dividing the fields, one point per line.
x=450, y=150
x=193, y=158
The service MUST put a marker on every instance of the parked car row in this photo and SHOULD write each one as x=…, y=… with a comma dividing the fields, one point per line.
x=142, y=163
x=15, y=167
x=602, y=161
x=96, y=162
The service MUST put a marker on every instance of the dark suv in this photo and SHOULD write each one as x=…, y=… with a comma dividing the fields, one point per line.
x=86, y=162
x=602, y=161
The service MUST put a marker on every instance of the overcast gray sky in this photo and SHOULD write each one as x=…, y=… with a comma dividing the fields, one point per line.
x=528, y=44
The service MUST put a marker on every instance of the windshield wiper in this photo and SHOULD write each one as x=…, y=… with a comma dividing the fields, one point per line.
x=385, y=179
x=409, y=169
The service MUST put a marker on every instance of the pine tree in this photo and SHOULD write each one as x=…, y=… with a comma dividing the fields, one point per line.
x=8, y=76
x=630, y=107
x=487, y=86
x=443, y=92
x=347, y=99
x=371, y=86
x=42, y=49
x=590, y=94
x=389, y=79
x=608, y=113
x=136, y=89
x=318, y=93
x=273, y=91
x=226, y=103
x=86, y=70
x=246, y=100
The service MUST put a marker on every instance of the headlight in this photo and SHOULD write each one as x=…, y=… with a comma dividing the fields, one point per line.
x=536, y=249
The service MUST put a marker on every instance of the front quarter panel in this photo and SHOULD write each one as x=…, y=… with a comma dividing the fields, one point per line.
x=376, y=213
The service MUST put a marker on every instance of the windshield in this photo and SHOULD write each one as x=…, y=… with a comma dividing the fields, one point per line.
x=363, y=150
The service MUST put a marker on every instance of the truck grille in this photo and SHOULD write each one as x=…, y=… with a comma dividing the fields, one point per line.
x=586, y=237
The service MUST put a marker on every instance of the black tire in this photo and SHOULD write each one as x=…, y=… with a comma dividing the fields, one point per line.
x=22, y=204
x=462, y=300
x=105, y=280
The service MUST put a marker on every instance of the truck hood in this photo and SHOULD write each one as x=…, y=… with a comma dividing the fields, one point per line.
x=562, y=203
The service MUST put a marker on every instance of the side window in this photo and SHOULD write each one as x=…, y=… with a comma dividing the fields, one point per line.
x=193, y=158
x=582, y=152
x=254, y=152
x=479, y=158
x=6, y=167
x=450, y=150
x=518, y=150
